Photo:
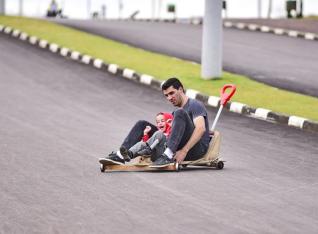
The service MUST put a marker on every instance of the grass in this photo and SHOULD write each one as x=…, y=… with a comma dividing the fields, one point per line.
x=252, y=93
x=314, y=17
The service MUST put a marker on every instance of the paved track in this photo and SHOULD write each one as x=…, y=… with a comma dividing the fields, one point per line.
x=284, y=62
x=57, y=117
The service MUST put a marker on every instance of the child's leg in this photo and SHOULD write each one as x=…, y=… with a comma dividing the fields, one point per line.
x=150, y=147
x=155, y=139
x=158, y=144
x=137, y=147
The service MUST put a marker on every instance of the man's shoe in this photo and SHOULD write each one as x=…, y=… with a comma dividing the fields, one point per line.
x=126, y=153
x=162, y=161
x=112, y=158
x=145, y=151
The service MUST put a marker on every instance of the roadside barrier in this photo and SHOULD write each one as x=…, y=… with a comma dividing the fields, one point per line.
x=148, y=80
x=240, y=26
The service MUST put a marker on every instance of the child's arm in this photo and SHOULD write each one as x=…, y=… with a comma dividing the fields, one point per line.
x=146, y=136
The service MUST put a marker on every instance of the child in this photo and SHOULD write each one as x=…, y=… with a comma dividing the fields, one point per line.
x=164, y=121
x=154, y=145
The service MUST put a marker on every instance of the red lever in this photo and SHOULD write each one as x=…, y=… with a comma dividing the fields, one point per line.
x=225, y=97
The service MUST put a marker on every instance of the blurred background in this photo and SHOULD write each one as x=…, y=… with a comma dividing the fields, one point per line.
x=114, y=9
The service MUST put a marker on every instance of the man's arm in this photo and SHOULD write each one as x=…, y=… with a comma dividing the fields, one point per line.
x=198, y=132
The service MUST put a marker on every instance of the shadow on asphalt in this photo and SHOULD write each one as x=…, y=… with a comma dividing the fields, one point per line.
x=162, y=171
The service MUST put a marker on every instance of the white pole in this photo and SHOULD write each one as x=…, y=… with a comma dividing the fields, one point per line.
x=88, y=6
x=20, y=7
x=259, y=9
x=153, y=2
x=216, y=118
x=2, y=7
x=269, y=12
x=120, y=8
x=159, y=9
x=211, y=57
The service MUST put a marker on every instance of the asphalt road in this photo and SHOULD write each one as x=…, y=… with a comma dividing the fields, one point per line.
x=284, y=62
x=57, y=117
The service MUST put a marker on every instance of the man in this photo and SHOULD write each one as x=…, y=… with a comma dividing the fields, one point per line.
x=189, y=138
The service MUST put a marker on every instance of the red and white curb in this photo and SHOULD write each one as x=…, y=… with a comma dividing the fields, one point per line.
x=213, y=101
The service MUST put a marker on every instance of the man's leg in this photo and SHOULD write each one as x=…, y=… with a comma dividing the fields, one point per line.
x=181, y=131
x=196, y=152
x=137, y=132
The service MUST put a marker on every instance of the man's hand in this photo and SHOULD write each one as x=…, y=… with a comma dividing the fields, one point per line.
x=147, y=130
x=180, y=155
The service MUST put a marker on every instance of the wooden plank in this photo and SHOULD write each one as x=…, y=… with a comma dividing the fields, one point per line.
x=140, y=167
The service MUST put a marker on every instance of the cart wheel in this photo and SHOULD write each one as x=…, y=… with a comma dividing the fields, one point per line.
x=220, y=165
x=177, y=166
x=102, y=168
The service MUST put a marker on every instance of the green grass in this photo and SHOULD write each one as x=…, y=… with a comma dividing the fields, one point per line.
x=315, y=17
x=253, y=93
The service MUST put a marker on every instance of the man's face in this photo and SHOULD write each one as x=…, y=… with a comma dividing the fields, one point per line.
x=174, y=95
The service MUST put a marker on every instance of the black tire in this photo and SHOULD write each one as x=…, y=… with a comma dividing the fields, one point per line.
x=102, y=168
x=220, y=165
x=178, y=166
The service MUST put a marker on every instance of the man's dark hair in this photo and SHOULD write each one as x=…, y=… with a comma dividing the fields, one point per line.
x=174, y=82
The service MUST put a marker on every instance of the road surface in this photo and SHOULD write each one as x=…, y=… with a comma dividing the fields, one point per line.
x=58, y=116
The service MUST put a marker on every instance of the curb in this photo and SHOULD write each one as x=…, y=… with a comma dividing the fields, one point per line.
x=276, y=31
x=210, y=101
x=242, y=26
